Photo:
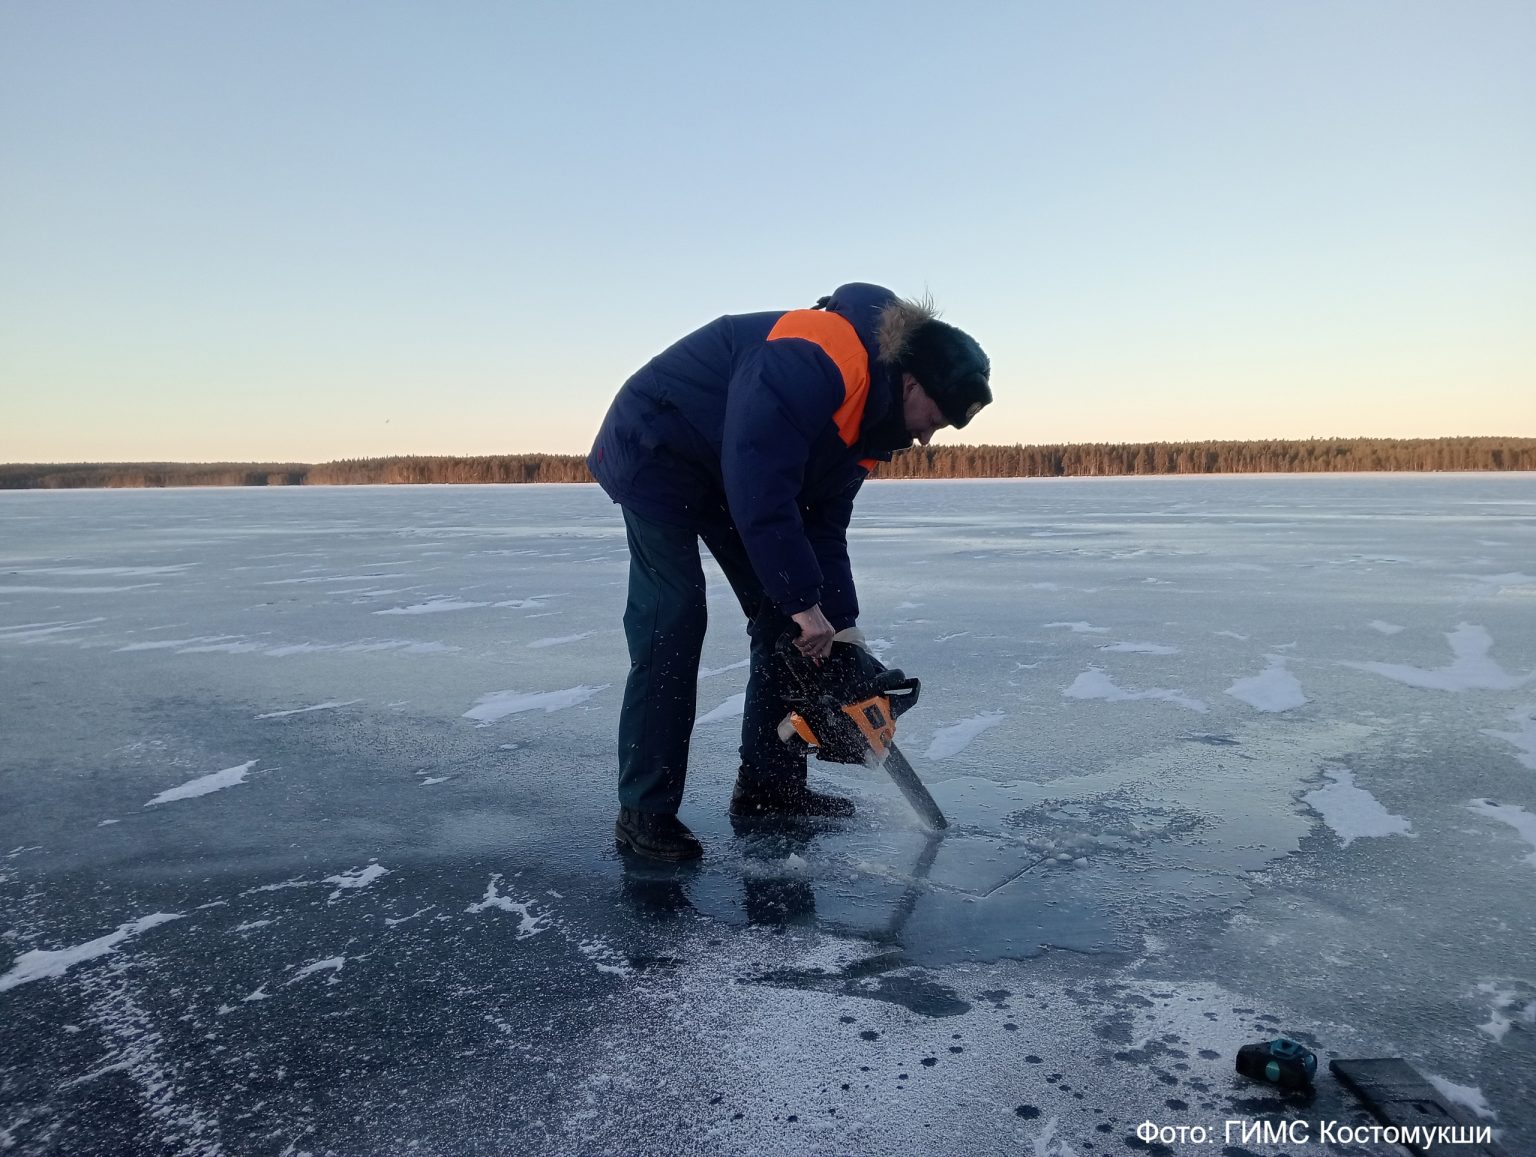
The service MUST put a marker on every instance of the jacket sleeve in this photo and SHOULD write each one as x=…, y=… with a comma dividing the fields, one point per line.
x=826, y=525
x=779, y=403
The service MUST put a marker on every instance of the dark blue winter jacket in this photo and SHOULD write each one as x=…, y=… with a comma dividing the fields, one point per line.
x=766, y=422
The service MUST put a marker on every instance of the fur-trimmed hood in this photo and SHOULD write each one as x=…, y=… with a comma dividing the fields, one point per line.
x=884, y=322
x=899, y=319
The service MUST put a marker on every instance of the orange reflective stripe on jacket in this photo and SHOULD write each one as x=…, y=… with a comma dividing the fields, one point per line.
x=836, y=338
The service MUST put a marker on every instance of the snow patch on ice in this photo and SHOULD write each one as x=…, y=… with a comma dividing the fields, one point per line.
x=1080, y=628
x=1273, y=689
x=392, y=921
x=432, y=607
x=1470, y=670
x=174, y=568
x=1140, y=648
x=175, y=644
x=356, y=878
x=499, y=704
x=1515, y=816
x=560, y=640
x=732, y=707
x=1524, y=735
x=26, y=590
x=116, y=1067
x=331, y=578
x=711, y=672
x=326, y=706
x=1467, y=1096
x=1352, y=812
x=831, y=953
x=296, y=882
x=406, y=646
x=604, y=958
x=40, y=963
x=333, y=963
x=1385, y=627
x=1095, y=684
x=528, y=923
x=167, y=1102
x=534, y=603
x=952, y=740
x=240, y=645
x=203, y=784
x=1511, y=1002
x=1509, y=583
x=27, y=632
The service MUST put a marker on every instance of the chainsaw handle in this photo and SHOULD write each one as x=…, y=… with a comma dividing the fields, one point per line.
x=901, y=689
x=801, y=669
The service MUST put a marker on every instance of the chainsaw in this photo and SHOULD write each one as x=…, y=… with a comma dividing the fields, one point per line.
x=844, y=709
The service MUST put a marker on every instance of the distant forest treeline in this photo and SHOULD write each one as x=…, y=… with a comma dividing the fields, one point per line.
x=1098, y=459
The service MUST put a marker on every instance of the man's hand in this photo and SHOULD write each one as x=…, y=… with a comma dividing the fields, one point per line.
x=815, y=641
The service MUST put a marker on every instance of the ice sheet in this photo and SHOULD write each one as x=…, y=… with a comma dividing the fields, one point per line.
x=1144, y=817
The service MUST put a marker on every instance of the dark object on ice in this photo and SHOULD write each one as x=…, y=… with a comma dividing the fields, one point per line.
x=791, y=801
x=1396, y=1094
x=845, y=708
x=661, y=837
x=1280, y=1062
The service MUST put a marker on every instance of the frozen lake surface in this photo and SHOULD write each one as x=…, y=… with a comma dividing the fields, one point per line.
x=306, y=802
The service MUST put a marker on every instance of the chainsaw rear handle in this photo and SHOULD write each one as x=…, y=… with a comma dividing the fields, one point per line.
x=901, y=689
x=786, y=644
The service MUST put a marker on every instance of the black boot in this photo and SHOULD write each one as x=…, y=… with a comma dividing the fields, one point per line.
x=659, y=837
x=792, y=801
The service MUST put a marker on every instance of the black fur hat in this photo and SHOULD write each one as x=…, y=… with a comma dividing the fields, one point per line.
x=950, y=366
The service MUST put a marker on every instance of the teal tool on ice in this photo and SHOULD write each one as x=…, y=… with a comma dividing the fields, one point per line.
x=1281, y=1062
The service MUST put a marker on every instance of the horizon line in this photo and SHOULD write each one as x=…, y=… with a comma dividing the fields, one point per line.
x=914, y=446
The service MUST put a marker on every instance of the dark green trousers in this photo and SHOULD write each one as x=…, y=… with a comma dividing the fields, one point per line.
x=664, y=622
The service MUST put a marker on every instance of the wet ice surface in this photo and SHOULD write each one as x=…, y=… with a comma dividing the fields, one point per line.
x=305, y=807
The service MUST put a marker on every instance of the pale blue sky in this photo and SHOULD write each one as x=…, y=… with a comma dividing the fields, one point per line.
x=305, y=231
